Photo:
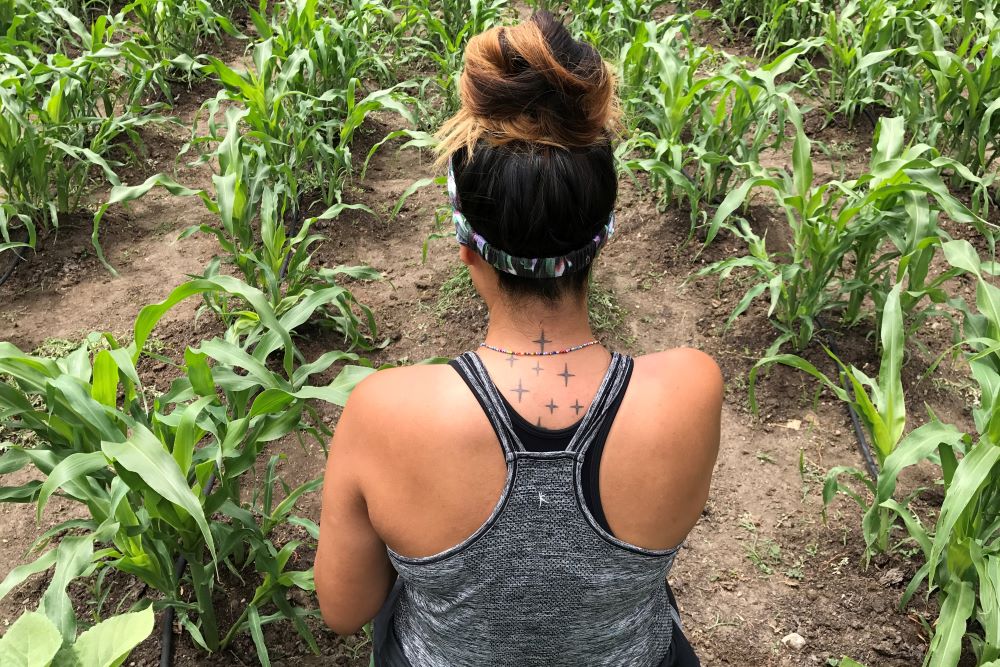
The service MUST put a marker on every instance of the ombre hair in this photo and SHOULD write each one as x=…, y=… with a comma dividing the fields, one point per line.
x=531, y=145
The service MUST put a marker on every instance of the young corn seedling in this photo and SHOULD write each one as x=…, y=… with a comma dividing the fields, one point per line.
x=881, y=406
x=960, y=94
x=897, y=200
x=141, y=462
x=962, y=550
x=255, y=234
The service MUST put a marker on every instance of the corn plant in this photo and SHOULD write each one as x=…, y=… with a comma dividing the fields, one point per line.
x=179, y=28
x=699, y=130
x=880, y=404
x=436, y=34
x=958, y=108
x=33, y=640
x=962, y=551
x=62, y=118
x=307, y=137
x=338, y=50
x=141, y=462
x=861, y=52
x=775, y=23
x=898, y=200
x=258, y=233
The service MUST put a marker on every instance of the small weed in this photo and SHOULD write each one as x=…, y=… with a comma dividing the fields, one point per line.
x=606, y=314
x=765, y=555
x=454, y=292
x=795, y=571
x=56, y=348
x=748, y=524
x=764, y=457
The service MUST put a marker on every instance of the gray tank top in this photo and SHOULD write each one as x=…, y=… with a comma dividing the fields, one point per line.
x=540, y=583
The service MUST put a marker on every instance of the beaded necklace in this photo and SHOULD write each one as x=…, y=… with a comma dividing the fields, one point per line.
x=537, y=354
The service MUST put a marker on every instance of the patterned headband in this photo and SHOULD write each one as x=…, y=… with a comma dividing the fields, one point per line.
x=545, y=267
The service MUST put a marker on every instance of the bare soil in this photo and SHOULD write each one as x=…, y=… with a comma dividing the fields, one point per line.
x=761, y=564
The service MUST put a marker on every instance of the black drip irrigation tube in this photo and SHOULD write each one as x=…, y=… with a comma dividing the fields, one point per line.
x=863, y=447
x=167, y=631
x=13, y=266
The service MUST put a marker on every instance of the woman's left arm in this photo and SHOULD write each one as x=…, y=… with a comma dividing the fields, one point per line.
x=353, y=571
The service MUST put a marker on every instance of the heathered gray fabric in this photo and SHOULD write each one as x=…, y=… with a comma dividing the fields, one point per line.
x=540, y=583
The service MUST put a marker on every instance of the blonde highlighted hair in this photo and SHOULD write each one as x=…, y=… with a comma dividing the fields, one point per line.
x=531, y=83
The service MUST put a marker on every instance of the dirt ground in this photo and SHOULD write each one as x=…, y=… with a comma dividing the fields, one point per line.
x=760, y=564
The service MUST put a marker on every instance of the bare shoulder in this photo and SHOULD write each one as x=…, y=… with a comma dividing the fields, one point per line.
x=399, y=387
x=681, y=372
x=388, y=402
x=680, y=393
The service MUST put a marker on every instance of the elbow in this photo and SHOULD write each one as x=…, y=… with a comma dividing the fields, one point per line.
x=339, y=619
x=339, y=616
x=345, y=627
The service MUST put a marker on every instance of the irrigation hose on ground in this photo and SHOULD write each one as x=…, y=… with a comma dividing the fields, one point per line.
x=863, y=447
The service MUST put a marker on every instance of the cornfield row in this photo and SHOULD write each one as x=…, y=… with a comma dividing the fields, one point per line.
x=164, y=475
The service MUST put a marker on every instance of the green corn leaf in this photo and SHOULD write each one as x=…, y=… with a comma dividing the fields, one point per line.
x=73, y=467
x=199, y=372
x=73, y=557
x=310, y=526
x=734, y=200
x=988, y=301
x=257, y=633
x=110, y=642
x=988, y=569
x=962, y=255
x=408, y=192
x=916, y=447
x=19, y=574
x=270, y=401
x=892, y=405
x=144, y=455
x=338, y=391
x=946, y=646
x=188, y=434
x=913, y=527
x=13, y=460
x=150, y=315
x=973, y=471
x=32, y=641
x=794, y=362
x=105, y=380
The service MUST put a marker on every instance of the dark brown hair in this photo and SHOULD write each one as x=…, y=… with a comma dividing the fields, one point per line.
x=531, y=145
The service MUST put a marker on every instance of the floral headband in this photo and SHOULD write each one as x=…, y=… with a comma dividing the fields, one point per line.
x=545, y=267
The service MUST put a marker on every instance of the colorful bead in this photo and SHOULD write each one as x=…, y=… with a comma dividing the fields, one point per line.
x=538, y=354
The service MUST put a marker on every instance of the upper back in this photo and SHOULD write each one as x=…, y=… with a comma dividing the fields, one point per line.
x=432, y=470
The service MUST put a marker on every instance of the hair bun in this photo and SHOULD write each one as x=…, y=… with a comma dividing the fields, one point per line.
x=532, y=82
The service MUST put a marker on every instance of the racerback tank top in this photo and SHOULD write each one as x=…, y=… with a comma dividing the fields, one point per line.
x=540, y=583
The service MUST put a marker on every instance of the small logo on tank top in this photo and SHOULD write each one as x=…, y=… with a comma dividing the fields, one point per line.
x=542, y=500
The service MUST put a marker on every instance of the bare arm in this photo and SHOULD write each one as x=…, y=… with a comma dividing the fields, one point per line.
x=353, y=571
